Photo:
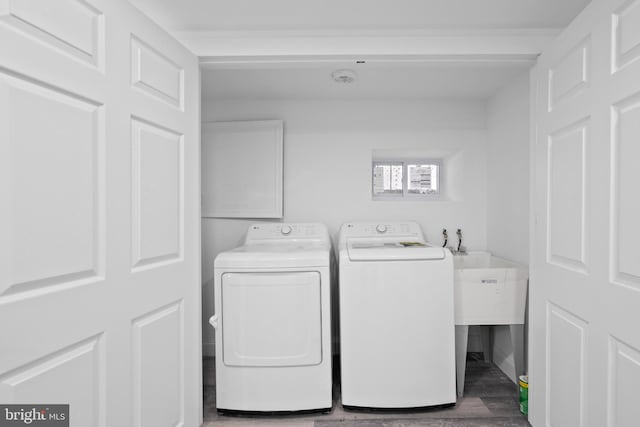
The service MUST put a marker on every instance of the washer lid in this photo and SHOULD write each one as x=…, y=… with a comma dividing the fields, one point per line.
x=379, y=250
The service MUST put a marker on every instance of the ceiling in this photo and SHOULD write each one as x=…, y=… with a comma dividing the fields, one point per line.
x=418, y=80
x=475, y=80
x=253, y=15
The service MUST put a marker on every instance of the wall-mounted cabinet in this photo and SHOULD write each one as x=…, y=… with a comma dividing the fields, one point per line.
x=242, y=169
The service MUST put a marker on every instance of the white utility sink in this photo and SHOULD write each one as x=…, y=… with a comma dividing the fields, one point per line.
x=489, y=290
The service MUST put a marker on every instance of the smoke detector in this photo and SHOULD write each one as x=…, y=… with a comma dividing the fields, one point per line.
x=344, y=76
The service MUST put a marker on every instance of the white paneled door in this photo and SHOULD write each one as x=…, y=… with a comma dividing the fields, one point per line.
x=585, y=290
x=99, y=215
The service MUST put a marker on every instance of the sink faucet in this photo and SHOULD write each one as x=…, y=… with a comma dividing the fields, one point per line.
x=461, y=249
x=444, y=234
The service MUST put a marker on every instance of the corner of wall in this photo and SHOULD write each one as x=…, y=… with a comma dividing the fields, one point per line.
x=508, y=171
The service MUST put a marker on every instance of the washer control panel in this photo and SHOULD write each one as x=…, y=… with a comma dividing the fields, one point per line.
x=286, y=229
x=407, y=230
x=381, y=228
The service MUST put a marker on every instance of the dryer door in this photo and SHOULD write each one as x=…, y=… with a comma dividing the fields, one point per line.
x=271, y=319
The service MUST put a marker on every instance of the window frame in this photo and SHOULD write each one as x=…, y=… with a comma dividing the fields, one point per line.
x=376, y=163
x=405, y=194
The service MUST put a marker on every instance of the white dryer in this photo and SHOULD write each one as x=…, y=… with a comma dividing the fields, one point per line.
x=396, y=318
x=273, y=321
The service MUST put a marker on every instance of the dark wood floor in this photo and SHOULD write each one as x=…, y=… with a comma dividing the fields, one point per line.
x=490, y=400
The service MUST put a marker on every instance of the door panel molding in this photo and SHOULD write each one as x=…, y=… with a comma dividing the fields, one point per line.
x=623, y=379
x=624, y=210
x=626, y=35
x=567, y=181
x=571, y=74
x=566, y=367
x=155, y=74
x=158, y=361
x=82, y=364
x=73, y=27
x=157, y=195
x=57, y=149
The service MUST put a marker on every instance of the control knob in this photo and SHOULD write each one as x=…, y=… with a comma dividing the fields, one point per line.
x=381, y=228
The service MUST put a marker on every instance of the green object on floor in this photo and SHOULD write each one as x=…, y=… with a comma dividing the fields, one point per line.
x=523, y=385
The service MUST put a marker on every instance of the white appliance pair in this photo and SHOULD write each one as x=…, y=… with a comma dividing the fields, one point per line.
x=273, y=319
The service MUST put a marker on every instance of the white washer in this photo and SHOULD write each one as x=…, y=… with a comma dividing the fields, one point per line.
x=273, y=321
x=396, y=318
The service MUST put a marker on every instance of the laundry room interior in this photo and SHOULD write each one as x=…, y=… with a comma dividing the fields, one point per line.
x=320, y=213
x=474, y=116
x=469, y=114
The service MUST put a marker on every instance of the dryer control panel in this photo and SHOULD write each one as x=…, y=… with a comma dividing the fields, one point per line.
x=286, y=231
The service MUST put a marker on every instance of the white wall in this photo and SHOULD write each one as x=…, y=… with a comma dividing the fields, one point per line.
x=328, y=147
x=508, y=190
x=508, y=171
